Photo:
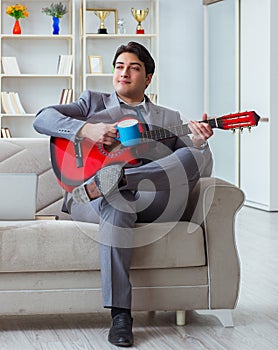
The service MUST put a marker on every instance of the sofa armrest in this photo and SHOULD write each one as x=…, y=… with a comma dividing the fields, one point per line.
x=214, y=204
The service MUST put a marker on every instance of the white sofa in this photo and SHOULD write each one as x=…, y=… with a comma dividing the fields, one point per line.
x=52, y=266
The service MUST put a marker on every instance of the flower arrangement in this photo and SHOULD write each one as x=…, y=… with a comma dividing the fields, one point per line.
x=17, y=11
x=57, y=10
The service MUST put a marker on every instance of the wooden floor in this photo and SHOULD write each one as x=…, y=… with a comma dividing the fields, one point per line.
x=255, y=318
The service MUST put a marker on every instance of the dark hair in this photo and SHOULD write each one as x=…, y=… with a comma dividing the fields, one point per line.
x=140, y=51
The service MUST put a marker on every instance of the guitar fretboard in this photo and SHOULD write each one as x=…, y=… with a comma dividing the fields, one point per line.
x=172, y=131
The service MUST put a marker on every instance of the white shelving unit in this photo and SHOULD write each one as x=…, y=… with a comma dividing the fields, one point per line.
x=105, y=45
x=37, y=52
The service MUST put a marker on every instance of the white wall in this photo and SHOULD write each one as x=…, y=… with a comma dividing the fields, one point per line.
x=222, y=94
x=181, y=56
x=181, y=61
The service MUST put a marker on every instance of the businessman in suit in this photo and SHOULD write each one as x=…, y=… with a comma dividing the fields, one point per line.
x=118, y=196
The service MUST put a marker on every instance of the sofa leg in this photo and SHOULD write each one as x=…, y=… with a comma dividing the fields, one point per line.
x=224, y=316
x=180, y=317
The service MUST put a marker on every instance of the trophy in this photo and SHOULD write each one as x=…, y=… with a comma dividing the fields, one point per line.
x=121, y=26
x=102, y=15
x=139, y=15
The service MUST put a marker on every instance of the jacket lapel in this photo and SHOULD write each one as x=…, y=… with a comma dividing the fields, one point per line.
x=112, y=106
x=157, y=116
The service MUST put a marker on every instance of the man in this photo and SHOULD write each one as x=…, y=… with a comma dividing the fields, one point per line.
x=117, y=197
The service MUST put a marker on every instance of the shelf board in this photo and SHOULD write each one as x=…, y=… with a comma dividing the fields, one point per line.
x=4, y=1
x=36, y=76
x=114, y=36
x=3, y=115
x=37, y=36
x=99, y=75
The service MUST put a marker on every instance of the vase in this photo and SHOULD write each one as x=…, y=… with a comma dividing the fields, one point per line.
x=16, y=28
x=56, y=23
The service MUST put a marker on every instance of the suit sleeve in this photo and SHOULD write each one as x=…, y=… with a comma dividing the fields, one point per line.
x=185, y=141
x=63, y=120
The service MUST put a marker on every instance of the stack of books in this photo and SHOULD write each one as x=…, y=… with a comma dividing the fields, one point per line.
x=5, y=133
x=64, y=65
x=66, y=96
x=11, y=103
x=152, y=97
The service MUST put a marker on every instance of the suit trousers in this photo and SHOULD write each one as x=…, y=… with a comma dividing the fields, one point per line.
x=154, y=192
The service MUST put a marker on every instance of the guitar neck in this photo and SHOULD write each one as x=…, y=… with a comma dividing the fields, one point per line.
x=172, y=131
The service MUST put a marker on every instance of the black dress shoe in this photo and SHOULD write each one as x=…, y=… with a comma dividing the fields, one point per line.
x=120, y=333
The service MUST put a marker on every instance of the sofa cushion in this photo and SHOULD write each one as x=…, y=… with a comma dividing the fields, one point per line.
x=49, y=245
x=22, y=155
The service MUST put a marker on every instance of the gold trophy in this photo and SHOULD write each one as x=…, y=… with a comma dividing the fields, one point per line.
x=102, y=15
x=139, y=15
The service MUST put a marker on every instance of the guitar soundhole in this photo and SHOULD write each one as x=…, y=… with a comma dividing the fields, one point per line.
x=111, y=151
x=113, y=148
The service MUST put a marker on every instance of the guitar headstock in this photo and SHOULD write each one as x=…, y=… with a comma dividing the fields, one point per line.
x=237, y=120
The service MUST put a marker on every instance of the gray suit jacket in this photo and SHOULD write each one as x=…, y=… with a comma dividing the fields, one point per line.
x=55, y=121
x=66, y=120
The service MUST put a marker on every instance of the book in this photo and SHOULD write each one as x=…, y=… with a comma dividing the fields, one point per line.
x=46, y=217
x=61, y=63
x=58, y=65
x=5, y=104
x=66, y=96
x=11, y=103
x=14, y=102
x=8, y=133
x=18, y=102
x=10, y=65
x=63, y=97
x=5, y=133
x=68, y=64
x=64, y=64
x=152, y=97
x=69, y=97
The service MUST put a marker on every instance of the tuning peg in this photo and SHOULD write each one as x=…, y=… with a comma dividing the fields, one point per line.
x=249, y=128
x=241, y=130
x=233, y=131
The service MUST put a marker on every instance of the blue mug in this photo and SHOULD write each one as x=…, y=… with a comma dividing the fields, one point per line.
x=129, y=134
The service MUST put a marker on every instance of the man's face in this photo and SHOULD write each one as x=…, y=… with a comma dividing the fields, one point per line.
x=130, y=78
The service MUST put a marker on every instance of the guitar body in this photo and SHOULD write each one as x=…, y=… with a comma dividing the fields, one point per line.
x=76, y=162
x=94, y=157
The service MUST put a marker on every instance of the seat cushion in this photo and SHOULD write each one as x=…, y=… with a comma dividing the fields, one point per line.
x=49, y=245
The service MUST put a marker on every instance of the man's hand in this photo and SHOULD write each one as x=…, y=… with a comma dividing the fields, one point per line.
x=201, y=131
x=100, y=132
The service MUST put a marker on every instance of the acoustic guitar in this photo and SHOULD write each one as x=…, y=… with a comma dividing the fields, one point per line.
x=75, y=162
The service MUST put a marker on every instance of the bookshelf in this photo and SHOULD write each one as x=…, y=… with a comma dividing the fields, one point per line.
x=37, y=53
